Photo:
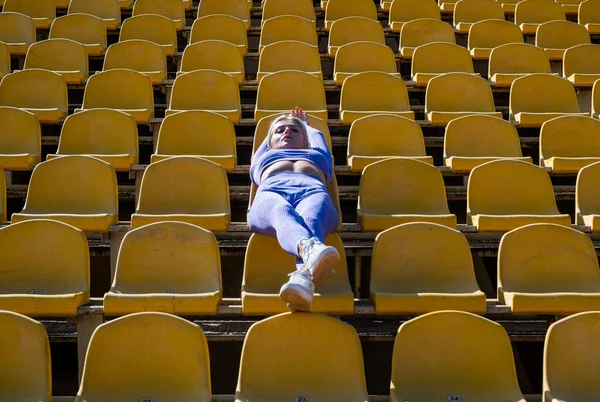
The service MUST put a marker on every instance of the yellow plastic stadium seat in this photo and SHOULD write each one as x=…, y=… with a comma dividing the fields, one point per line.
x=221, y=27
x=83, y=28
x=235, y=8
x=381, y=136
x=537, y=98
x=454, y=95
x=514, y=60
x=53, y=263
x=589, y=15
x=38, y=91
x=25, y=369
x=569, y=143
x=214, y=55
x=434, y=59
x=508, y=6
x=468, y=12
x=266, y=268
x=437, y=343
x=197, y=133
x=484, y=36
x=359, y=57
x=155, y=356
x=473, y=140
x=153, y=28
x=142, y=56
x=557, y=36
x=20, y=140
x=262, y=128
x=571, y=356
x=172, y=9
x=106, y=134
x=402, y=11
x=4, y=59
x=276, y=8
x=529, y=14
x=422, y=31
x=288, y=27
x=43, y=12
x=581, y=65
x=587, y=197
x=184, y=189
x=62, y=56
x=422, y=267
x=595, y=100
x=280, y=92
x=332, y=371
x=505, y=194
x=402, y=190
x=2, y=196
x=171, y=267
x=108, y=10
x=354, y=29
x=370, y=93
x=209, y=90
x=570, y=6
x=548, y=269
x=78, y=190
x=125, y=90
x=17, y=31
x=289, y=55
x=338, y=9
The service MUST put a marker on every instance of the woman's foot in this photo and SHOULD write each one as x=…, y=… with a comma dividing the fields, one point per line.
x=318, y=258
x=298, y=291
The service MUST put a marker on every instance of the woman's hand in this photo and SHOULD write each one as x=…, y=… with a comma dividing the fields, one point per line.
x=299, y=113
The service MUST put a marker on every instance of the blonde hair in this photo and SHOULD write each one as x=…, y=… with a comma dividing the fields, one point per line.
x=298, y=122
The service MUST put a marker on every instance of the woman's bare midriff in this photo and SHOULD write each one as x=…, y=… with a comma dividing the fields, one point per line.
x=293, y=166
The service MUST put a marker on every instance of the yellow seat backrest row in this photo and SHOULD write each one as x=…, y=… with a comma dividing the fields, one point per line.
x=108, y=10
x=20, y=141
x=62, y=56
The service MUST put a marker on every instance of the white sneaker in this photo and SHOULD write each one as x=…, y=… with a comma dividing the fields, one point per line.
x=298, y=291
x=319, y=259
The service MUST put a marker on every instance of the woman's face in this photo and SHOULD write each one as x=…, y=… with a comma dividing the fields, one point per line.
x=287, y=135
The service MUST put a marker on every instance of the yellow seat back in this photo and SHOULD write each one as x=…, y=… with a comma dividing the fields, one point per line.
x=385, y=135
x=436, y=342
x=481, y=136
x=332, y=371
x=4, y=59
x=275, y=8
x=235, y=8
x=212, y=55
x=289, y=55
x=402, y=11
x=153, y=28
x=508, y=187
x=430, y=254
x=119, y=89
x=162, y=257
x=570, y=136
x=196, y=132
x=355, y=29
x=58, y=55
x=441, y=57
x=589, y=12
x=99, y=132
x=284, y=90
x=34, y=89
x=16, y=29
x=287, y=27
x=538, y=12
x=105, y=9
x=374, y=91
x=83, y=28
x=471, y=11
x=21, y=132
x=459, y=92
x=195, y=186
x=560, y=35
x=33, y=9
x=2, y=196
x=543, y=93
x=402, y=186
x=587, y=192
x=547, y=258
x=25, y=370
x=156, y=356
x=489, y=34
x=425, y=30
x=518, y=58
x=137, y=55
x=338, y=9
x=53, y=259
x=358, y=57
x=220, y=27
x=582, y=59
x=172, y=9
x=571, y=356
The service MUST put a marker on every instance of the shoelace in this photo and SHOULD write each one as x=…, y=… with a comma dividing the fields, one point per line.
x=302, y=272
x=307, y=248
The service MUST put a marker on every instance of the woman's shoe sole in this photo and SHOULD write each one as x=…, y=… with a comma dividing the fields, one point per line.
x=324, y=266
x=294, y=300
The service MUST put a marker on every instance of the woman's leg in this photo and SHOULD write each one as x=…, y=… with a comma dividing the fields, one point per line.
x=273, y=216
x=319, y=214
